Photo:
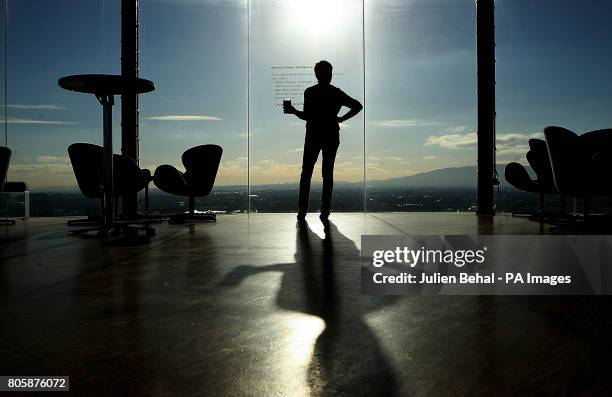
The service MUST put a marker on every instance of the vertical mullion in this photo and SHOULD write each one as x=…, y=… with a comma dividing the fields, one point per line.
x=363, y=57
x=248, y=106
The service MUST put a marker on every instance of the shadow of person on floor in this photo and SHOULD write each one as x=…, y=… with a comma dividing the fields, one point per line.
x=324, y=281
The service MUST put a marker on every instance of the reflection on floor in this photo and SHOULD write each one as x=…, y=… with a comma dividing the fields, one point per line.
x=258, y=306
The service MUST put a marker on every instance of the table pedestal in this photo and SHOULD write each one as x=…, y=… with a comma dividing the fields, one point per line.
x=107, y=102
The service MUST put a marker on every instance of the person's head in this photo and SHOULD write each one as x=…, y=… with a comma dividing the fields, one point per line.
x=323, y=72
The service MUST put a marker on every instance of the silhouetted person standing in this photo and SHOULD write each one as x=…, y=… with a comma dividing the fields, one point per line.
x=322, y=103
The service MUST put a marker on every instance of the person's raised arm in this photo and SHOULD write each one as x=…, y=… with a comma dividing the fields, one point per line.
x=302, y=114
x=354, y=108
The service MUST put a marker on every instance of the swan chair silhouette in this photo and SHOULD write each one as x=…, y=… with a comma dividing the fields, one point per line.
x=201, y=166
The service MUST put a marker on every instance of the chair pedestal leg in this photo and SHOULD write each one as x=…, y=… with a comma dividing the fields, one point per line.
x=191, y=206
x=146, y=198
x=91, y=219
x=192, y=216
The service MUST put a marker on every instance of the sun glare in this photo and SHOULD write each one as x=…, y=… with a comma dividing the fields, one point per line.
x=316, y=18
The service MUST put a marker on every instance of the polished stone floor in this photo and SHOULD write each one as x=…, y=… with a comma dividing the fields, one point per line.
x=256, y=306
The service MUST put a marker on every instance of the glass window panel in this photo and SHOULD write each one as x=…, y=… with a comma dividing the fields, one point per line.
x=553, y=62
x=48, y=40
x=286, y=39
x=421, y=105
x=195, y=52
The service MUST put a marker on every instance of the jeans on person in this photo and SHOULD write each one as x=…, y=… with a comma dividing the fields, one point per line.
x=312, y=147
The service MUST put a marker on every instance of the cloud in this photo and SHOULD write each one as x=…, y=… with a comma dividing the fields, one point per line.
x=458, y=129
x=268, y=161
x=378, y=172
x=405, y=123
x=514, y=137
x=453, y=141
x=299, y=150
x=504, y=141
x=275, y=173
x=514, y=150
x=37, y=122
x=238, y=161
x=53, y=160
x=181, y=117
x=245, y=134
x=39, y=168
x=45, y=171
x=393, y=158
x=36, y=107
x=429, y=157
x=232, y=173
x=46, y=163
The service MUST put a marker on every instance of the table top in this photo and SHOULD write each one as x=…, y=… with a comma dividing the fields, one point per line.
x=105, y=84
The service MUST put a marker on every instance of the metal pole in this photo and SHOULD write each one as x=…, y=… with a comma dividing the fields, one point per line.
x=6, y=43
x=248, y=106
x=363, y=58
x=485, y=26
x=248, y=71
x=129, y=101
x=107, y=123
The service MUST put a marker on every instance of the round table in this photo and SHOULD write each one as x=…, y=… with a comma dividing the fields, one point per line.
x=105, y=87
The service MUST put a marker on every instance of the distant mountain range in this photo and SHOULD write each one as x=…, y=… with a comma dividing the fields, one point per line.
x=452, y=177
x=455, y=177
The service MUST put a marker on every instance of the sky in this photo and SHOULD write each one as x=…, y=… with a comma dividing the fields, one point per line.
x=211, y=61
